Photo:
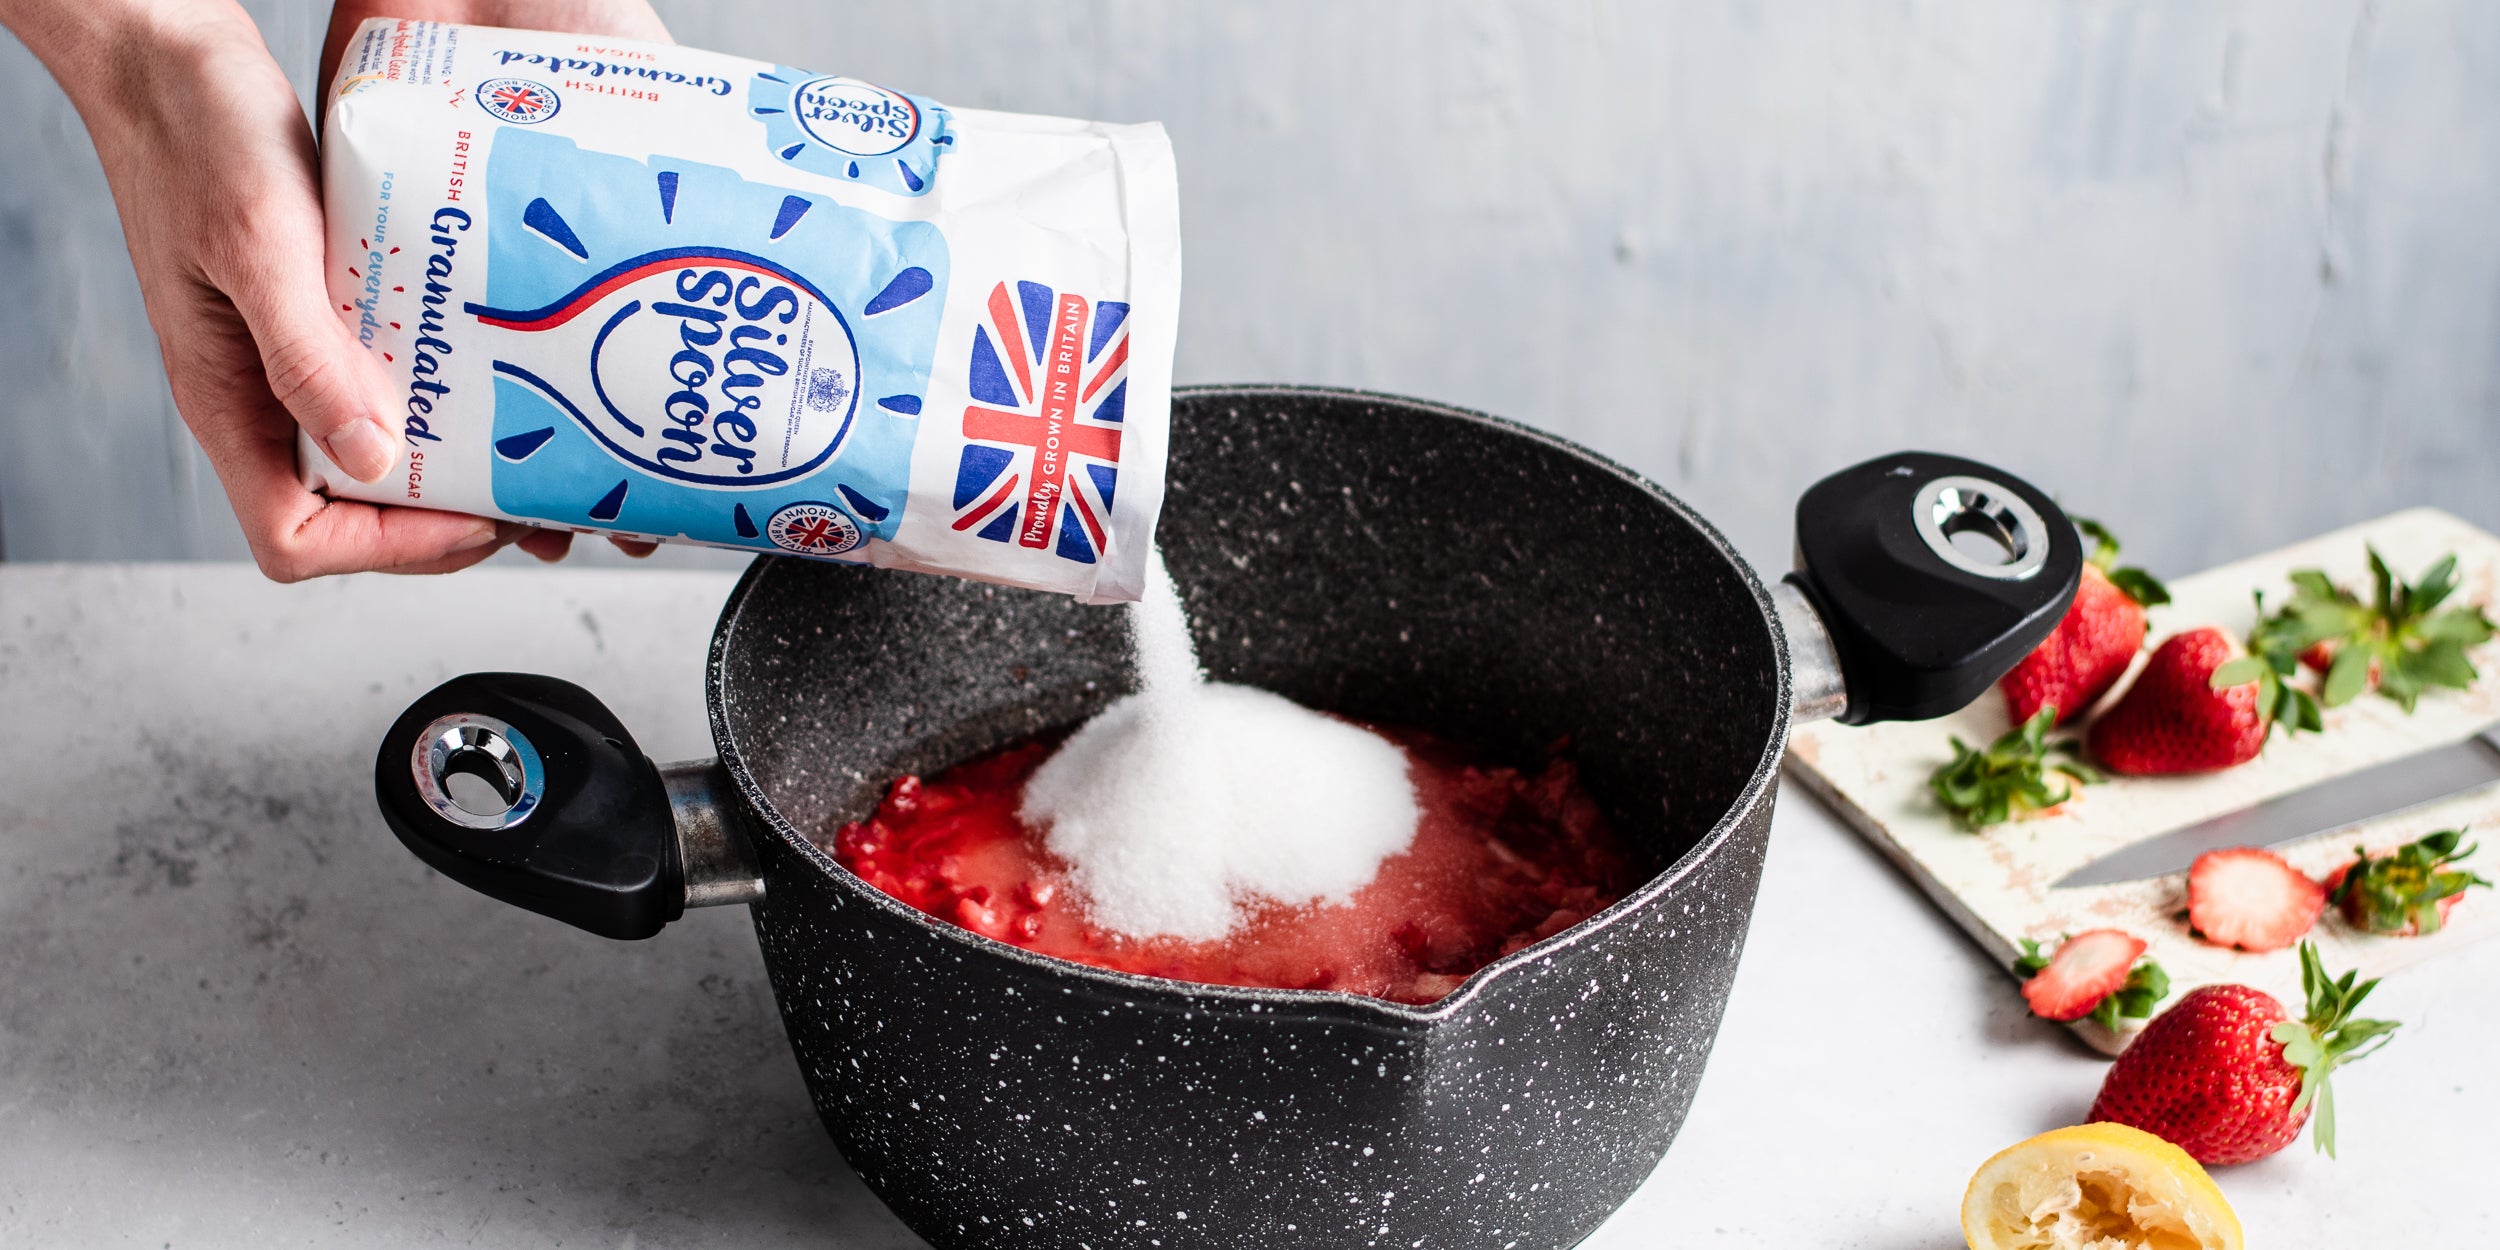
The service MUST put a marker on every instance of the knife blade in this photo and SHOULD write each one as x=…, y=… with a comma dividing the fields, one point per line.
x=2395, y=786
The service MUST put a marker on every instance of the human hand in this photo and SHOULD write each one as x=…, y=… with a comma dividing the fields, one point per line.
x=213, y=172
x=624, y=19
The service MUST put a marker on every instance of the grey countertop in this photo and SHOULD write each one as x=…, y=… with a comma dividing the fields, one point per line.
x=233, y=1012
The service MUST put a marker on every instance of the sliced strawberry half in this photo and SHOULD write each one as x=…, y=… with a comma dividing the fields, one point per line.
x=2251, y=899
x=2091, y=966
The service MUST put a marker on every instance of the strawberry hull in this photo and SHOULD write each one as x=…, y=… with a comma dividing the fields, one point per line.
x=1335, y=548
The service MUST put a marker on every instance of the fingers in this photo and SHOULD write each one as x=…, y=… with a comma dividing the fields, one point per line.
x=268, y=264
x=227, y=241
x=345, y=537
x=326, y=380
x=448, y=564
x=296, y=534
x=553, y=545
x=548, y=545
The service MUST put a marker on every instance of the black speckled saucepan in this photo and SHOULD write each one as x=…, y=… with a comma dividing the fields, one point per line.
x=1393, y=561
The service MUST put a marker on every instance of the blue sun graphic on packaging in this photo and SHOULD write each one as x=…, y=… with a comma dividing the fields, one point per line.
x=844, y=128
x=677, y=350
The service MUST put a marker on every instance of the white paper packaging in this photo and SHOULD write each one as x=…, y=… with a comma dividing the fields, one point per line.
x=690, y=297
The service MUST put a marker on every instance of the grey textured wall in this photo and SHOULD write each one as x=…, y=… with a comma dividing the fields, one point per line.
x=2226, y=273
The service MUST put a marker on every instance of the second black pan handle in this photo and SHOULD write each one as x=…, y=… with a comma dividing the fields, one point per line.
x=1931, y=576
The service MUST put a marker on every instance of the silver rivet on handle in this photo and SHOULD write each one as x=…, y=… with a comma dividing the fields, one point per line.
x=477, y=772
x=1981, y=527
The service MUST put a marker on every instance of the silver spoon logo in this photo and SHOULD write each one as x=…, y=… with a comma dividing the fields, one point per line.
x=854, y=117
x=712, y=367
x=840, y=127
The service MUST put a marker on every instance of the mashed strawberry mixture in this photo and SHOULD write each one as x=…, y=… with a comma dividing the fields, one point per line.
x=1500, y=859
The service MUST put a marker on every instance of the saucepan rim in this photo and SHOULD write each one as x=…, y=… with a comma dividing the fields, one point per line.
x=1302, y=1001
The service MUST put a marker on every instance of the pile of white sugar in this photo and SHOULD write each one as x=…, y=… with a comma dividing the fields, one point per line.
x=1188, y=801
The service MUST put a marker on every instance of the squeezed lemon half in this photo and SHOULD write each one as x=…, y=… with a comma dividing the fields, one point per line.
x=2096, y=1187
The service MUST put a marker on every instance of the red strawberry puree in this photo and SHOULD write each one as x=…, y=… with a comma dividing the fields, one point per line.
x=1500, y=859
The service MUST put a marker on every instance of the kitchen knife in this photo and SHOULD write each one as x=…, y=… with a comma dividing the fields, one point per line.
x=2412, y=781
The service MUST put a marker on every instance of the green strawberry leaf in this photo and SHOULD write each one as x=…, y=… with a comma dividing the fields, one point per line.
x=2032, y=960
x=2140, y=586
x=2238, y=672
x=2347, y=677
x=2441, y=663
x=2136, y=584
x=2288, y=708
x=2301, y=1049
x=2146, y=985
x=2399, y=682
x=2466, y=627
x=2325, y=1037
x=2322, y=1125
x=2104, y=543
x=2406, y=885
x=2413, y=648
x=2435, y=585
x=2010, y=778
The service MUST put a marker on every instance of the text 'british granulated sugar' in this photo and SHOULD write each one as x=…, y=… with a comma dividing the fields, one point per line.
x=1182, y=804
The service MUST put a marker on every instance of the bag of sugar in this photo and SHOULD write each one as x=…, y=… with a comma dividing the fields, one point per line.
x=682, y=296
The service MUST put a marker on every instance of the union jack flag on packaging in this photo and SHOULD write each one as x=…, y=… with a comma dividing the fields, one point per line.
x=667, y=293
x=1041, y=458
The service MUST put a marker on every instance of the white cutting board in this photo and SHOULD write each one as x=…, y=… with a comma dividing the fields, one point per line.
x=1996, y=884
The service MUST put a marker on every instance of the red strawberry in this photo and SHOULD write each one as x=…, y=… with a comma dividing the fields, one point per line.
x=2093, y=643
x=2225, y=1076
x=2172, y=720
x=2088, y=968
x=2406, y=892
x=2251, y=899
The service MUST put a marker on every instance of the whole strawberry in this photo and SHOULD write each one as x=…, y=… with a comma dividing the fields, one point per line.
x=2198, y=706
x=2227, y=1077
x=2093, y=643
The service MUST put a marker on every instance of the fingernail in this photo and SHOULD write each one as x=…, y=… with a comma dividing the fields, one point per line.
x=365, y=450
x=485, y=535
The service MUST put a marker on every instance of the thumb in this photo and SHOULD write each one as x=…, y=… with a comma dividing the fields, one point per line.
x=328, y=382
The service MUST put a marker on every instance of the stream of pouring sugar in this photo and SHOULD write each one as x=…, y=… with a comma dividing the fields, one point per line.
x=1179, y=805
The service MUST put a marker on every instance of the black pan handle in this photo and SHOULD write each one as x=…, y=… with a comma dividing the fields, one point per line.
x=1921, y=579
x=529, y=790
